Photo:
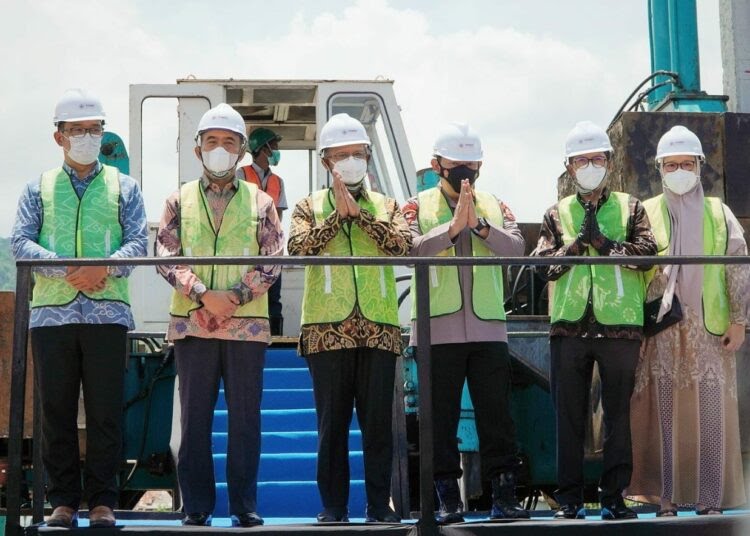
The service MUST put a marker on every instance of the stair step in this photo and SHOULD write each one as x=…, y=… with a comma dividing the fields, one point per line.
x=286, y=378
x=289, y=467
x=284, y=358
x=292, y=499
x=279, y=442
x=279, y=420
x=279, y=399
x=275, y=420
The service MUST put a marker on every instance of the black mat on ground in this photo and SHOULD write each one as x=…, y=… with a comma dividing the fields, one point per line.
x=337, y=529
x=727, y=525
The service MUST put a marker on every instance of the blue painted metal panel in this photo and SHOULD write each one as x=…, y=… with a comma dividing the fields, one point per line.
x=658, y=26
x=426, y=178
x=114, y=153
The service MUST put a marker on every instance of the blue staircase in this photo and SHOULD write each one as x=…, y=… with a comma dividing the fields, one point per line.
x=286, y=477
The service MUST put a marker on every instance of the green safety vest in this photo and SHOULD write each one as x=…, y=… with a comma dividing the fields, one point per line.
x=238, y=236
x=487, y=295
x=715, y=295
x=332, y=292
x=85, y=227
x=617, y=293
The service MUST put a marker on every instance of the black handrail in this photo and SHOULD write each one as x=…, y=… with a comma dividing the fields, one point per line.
x=24, y=269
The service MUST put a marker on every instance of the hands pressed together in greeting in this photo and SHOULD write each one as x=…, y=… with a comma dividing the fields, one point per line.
x=465, y=214
x=346, y=205
x=589, y=233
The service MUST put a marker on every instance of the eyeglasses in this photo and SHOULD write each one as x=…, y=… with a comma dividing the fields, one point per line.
x=580, y=162
x=338, y=157
x=450, y=164
x=79, y=132
x=687, y=165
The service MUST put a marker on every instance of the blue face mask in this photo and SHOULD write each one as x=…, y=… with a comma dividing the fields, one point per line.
x=275, y=156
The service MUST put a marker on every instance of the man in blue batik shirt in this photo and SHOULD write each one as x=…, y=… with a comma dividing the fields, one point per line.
x=80, y=315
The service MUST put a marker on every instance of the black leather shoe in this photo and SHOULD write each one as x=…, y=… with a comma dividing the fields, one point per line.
x=198, y=519
x=333, y=515
x=618, y=511
x=571, y=511
x=451, y=506
x=507, y=510
x=248, y=519
x=504, y=502
x=381, y=515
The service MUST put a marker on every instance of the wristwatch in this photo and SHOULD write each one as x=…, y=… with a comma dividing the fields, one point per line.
x=481, y=226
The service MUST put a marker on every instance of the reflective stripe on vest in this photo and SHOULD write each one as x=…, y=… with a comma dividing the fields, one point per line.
x=488, y=297
x=273, y=183
x=714, y=293
x=238, y=236
x=331, y=292
x=86, y=227
x=616, y=292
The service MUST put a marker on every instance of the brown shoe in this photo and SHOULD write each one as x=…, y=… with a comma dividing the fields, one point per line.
x=101, y=517
x=63, y=516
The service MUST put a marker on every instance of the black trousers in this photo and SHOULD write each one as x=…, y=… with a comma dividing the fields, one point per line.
x=343, y=379
x=66, y=358
x=201, y=364
x=274, y=299
x=486, y=368
x=572, y=362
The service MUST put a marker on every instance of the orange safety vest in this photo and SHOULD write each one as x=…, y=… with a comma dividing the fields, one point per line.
x=273, y=185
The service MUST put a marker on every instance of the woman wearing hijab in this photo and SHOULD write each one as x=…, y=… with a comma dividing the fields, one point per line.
x=686, y=444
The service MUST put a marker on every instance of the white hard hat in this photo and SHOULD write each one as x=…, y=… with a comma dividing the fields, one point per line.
x=223, y=117
x=340, y=130
x=679, y=140
x=586, y=137
x=78, y=105
x=459, y=142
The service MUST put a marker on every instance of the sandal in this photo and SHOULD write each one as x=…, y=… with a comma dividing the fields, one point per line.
x=667, y=512
x=709, y=510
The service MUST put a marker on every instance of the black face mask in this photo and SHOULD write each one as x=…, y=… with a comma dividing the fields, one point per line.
x=459, y=173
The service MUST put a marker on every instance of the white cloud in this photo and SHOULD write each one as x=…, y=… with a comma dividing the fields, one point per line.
x=521, y=89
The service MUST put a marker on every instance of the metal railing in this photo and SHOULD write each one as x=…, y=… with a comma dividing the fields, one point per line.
x=421, y=267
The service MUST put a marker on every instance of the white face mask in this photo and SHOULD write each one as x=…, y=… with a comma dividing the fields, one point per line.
x=680, y=181
x=84, y=150
x=352, y=170
x=219, y=161
x=590, y=177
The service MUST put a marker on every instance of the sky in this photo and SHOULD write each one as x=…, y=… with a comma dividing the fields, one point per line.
x=521, y=72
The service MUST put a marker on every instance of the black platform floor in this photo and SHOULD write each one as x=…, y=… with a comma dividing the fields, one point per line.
x=734, y=523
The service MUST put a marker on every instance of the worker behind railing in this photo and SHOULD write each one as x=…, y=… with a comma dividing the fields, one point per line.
x=684, y=412
x=596, y=316
x=219, y=315
x=263, y=146
x=80, y=315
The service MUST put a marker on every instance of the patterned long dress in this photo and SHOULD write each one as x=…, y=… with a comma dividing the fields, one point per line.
x=684, y=416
